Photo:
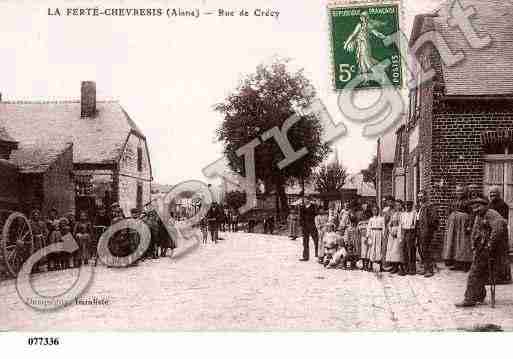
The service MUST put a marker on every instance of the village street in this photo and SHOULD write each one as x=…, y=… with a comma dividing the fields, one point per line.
x=255, y=282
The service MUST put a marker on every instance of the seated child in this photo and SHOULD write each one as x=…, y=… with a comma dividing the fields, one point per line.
x=332, y=242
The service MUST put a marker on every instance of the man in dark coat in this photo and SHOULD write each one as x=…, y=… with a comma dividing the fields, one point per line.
x=426, y=225
x=489, y=230
x=502, y=265
x=307, y=213
x=214, y=217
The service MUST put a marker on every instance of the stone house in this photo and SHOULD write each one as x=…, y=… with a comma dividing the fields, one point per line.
x=460, y=125
x=108, y=153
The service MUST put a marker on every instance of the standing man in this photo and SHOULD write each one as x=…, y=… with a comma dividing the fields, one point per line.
x=426, y=225
x=213, y=218
x=407, y=226
x=307, y=214
x=489, y=230
x=502, y=266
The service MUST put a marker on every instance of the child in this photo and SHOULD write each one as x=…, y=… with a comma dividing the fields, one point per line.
x=375, y=232
x=83, y=232
x=332, y=241
x=362, y=236
x=352, y=244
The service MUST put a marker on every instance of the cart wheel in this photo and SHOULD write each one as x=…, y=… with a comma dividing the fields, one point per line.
x=17, y=242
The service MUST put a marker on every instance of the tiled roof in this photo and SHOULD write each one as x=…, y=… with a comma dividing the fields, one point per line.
x=95, y=140
x=483, y=72
x=37, y=158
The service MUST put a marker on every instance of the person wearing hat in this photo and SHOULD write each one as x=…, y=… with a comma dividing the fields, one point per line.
x=489, y=230
x=426, y=225
x=502, y=265
x=307, y=213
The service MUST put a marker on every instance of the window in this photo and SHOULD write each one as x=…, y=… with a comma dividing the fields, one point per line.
x=139, y=199
x=139, y=159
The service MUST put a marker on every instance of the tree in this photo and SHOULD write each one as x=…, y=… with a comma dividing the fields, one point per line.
x=235, y=199
x=330, y=178
x=264, y=100
x=370, y=174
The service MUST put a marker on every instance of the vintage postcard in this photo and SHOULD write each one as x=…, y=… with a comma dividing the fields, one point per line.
x=217, y=165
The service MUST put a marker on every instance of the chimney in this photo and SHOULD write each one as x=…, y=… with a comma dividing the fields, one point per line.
x=88, y=99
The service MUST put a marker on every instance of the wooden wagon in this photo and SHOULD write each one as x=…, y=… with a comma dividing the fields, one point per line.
x=17, y=241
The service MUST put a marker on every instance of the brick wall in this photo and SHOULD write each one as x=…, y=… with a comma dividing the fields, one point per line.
x=130, y=176
x=450, y=139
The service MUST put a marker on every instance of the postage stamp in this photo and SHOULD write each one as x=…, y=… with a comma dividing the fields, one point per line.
x=357, y=42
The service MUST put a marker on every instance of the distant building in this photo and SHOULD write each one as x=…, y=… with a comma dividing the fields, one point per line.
x=365, y=190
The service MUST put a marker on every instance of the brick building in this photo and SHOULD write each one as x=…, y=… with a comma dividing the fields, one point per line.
x=108, y=160
x=460, y=127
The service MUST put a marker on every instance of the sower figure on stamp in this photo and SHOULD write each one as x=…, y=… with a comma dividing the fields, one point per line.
x=307, y=215
x=426, y=225
x=489, y=230
x=502, y=265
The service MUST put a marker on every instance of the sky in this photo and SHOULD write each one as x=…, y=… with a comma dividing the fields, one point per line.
x=169, y=73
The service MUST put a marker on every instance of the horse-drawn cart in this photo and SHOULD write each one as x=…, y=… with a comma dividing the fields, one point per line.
x=17, y=241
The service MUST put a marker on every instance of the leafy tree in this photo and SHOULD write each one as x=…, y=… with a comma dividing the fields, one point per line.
x=235, y=199
x=371, y=172
x=264, y=100
x=329, y=178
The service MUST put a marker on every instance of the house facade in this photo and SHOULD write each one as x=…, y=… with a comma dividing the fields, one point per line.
x=460, y=125
x=92, y=153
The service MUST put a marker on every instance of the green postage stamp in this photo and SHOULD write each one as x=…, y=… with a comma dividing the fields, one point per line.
x=357, y=35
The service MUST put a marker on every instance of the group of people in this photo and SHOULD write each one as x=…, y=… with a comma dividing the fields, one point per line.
x=384, y=239
x=58, y=229
x=389, y=238
x=86, y=233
